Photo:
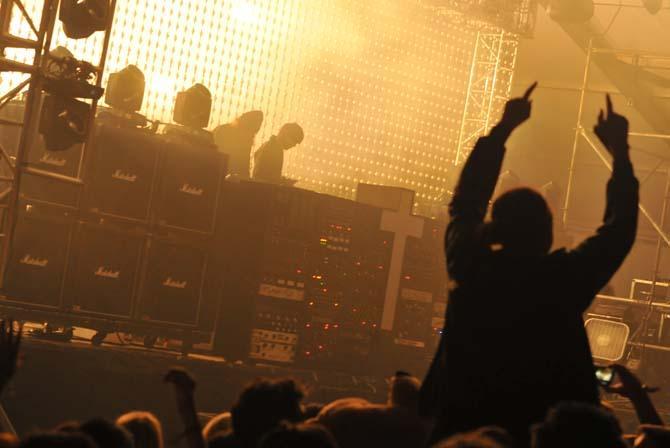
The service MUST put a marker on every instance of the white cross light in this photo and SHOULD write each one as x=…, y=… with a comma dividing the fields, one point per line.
x=403, y=224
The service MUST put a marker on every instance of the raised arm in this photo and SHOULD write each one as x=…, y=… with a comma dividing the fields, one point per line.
x=184, y=387
x=629, y=386
x=476, y=184
x=596, y=259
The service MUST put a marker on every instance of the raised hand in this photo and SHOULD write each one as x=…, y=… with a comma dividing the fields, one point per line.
x=183, y=383
x=10, y=342
x=184, y=387
x=517, y=110
x=612, y=130
x=628, y=385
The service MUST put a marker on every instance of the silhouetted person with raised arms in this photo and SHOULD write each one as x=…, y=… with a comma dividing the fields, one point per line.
x=269, y=158
x=514, y=343
x=236, y=140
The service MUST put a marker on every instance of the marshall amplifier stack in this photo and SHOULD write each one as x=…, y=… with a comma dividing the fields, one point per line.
x=156, y=241
x=131, y=246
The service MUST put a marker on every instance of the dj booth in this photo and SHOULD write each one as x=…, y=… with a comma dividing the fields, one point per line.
x=156, y=242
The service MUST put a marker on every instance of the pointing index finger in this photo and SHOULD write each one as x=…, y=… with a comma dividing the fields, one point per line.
x=530, y=90
x=610, y=108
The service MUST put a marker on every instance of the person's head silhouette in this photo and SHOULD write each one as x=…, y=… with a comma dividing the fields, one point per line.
x=250, y=121
x=289, y=135
x=522, y=223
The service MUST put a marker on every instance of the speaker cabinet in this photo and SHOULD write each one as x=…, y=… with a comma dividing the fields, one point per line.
x=105, y=270
x=173, y=283
x=39, y=255
x=121, y=174
x=189, y=187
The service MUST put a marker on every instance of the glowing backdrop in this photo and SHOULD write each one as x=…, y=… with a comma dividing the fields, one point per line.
x=378, y=85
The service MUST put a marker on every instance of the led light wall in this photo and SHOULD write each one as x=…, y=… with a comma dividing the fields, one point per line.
x=378, y=85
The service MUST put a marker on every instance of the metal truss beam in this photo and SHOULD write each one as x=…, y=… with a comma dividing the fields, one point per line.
x=11, y=10
x=489, y=86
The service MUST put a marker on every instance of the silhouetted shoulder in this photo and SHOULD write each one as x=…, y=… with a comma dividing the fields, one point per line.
x=558, y=253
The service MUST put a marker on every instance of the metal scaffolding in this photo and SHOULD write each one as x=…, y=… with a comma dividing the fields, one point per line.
x=489, y=87
x=517, y=17
x=639, y=59
x=40, y=44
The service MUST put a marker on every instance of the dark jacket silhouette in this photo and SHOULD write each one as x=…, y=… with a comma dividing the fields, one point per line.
x=514, y=342
x=236, y=139
x=269, y=161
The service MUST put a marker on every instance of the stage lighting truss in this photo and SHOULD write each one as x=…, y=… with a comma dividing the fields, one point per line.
x=489, y=86
x=513, y=16
x=55, y=77
x=643, y=60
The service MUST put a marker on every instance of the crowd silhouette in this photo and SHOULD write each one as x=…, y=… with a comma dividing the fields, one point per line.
x=513, y=368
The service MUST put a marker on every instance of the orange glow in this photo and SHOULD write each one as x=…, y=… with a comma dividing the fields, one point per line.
x=379, y=86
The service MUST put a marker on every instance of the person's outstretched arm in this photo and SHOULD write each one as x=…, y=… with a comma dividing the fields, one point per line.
x=476, y=184
x=184, y=387
x=595, y=260
x=629, y=386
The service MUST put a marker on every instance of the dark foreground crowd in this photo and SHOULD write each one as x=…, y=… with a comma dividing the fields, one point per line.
x=513, y=368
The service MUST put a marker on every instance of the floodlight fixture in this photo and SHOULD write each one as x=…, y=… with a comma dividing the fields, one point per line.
x=125, y=89
x=193, y=107
x=81, y=18
x=64, y=122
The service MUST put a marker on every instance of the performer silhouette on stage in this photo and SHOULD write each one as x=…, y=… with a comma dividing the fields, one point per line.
x=269, y=158
x=236, y=140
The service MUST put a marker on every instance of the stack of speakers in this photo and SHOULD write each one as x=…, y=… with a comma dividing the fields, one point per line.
x=131, y=246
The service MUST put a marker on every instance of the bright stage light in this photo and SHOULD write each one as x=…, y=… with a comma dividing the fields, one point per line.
x=378, y=86
x=161, y=84
x=245, y=12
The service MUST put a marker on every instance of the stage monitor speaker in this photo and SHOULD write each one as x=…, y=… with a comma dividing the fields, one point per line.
x=39, y=255
x=105, y=267
x=173, y=283
x=121, y=174
x=189, y=187
x=607, y=338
